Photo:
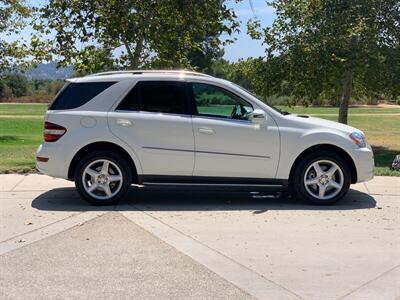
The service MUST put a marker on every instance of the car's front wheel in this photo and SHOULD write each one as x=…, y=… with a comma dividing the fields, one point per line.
x=102, y=178
x=322, y=178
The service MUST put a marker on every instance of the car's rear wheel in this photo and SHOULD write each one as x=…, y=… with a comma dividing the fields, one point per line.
x=322, y=178
x=102, y=178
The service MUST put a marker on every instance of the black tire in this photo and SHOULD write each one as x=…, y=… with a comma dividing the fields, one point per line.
x=299, y=187
x=120, y=162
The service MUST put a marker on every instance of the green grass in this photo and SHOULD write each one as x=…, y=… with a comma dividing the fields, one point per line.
x=322, y=111
x=21, y=130
x=335, y=110
x=216, y=109
x=19, y=139
x=23, y=109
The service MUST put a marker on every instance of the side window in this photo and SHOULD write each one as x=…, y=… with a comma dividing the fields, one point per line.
x=76, y=94
x=131, y=100
x=214, y=101
x=156, y=96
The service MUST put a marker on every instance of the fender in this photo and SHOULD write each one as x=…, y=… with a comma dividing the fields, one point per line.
x=294, y=143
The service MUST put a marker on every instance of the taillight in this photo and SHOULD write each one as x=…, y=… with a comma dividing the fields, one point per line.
x=53, y=132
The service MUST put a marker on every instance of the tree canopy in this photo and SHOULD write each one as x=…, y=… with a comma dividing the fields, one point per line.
x=102, y=34
x=13, y=14
x=317, y=51
x=327, y=46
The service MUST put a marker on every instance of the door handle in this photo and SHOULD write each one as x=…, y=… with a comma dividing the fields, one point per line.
x=124, y=122
x=206, y=130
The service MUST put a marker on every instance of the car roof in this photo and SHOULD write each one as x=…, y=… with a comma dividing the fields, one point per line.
x=151, y=74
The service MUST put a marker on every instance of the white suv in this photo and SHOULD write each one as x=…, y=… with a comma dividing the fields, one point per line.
x=184, y=129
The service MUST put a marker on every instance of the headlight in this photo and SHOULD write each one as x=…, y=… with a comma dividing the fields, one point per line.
x=358, y=139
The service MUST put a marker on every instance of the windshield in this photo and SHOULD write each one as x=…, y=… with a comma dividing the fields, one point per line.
x=255, y=96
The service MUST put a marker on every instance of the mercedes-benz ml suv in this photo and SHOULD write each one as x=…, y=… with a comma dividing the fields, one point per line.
x=183, y=129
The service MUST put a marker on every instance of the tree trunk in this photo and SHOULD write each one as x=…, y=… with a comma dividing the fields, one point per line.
x=347, y=89
x=348, y=82
x=129, y=51
x=135, y=61
x=135, y=57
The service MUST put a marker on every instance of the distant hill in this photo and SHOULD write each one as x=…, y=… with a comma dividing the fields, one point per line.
x=50, y=71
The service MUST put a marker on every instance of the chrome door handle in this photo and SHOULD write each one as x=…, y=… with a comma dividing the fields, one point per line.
x=124, y=122
x=206, y=130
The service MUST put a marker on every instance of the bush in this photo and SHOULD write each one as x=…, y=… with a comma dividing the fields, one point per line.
x=2, y=87
x=28, y=99
x=18, y=88
x=17, y=83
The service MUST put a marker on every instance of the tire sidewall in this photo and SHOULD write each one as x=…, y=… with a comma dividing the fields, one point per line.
x=119, y=161
x=299, y=174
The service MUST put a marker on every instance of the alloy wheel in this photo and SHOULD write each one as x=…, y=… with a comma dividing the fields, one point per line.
x=102, y=179
x=323, y=179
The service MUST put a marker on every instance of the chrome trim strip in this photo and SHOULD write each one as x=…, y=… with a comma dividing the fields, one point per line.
x=222, y=119
x=151, y=113
x=183, y=115
x=206, y=152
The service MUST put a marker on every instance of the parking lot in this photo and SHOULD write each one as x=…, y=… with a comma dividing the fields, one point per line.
x=197, y=245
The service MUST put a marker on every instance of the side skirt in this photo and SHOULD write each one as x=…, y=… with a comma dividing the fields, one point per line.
x=195, y=183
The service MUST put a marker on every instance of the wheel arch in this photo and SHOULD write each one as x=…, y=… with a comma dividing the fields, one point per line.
x=330, y=148
x=105, y=146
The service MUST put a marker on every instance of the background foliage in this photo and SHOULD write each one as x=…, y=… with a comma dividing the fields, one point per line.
x=317, y=52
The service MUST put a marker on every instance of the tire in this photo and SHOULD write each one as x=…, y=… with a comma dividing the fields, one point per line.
x=100, y=169
x=322, y=185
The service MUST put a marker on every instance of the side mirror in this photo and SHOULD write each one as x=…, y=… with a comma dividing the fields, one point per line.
x=258, y=116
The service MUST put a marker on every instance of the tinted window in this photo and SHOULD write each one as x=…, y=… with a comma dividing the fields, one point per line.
x=156, y=96
x=216, y=102
x=77, y=94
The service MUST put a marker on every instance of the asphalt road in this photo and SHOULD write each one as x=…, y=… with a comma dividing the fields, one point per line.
x=197, y=245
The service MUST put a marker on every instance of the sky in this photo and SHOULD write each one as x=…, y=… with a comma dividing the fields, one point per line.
x=244, y=46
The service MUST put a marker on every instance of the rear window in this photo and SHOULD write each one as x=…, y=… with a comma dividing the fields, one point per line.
x=77, y=94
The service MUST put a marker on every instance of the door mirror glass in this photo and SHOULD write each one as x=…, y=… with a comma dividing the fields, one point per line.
x=258, y=116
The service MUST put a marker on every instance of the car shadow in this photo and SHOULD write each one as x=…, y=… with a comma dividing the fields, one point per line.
x=67, y=199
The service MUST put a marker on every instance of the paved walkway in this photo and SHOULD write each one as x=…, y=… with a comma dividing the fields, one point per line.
x=180, y=245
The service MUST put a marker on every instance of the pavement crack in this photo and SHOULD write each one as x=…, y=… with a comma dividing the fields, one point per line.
x=369, y=281
x=18, y=183
x=39, y=228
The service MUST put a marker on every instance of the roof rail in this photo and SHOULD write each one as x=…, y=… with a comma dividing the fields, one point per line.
x=137, y=72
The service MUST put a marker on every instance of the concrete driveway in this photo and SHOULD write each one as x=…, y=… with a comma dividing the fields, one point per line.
x=197, y=245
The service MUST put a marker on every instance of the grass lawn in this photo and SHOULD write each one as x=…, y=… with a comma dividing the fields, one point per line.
x=21, y=129
x=335, y=110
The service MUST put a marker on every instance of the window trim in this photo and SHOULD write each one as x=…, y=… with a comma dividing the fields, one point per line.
x=186, y=104
x=194, y=106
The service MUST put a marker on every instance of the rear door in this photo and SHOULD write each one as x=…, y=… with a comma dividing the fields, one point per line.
x=153, y=120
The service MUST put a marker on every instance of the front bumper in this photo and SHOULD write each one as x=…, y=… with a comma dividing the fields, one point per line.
x=364, y=161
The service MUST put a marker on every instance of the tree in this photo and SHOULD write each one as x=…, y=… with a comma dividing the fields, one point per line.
x=17, y=83
x=202, y=59
x=13, y=14
x=2, y=87
x=104, y=34
x=326, y=46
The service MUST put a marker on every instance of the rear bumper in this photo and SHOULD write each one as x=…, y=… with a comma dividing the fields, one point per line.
x=57, y=164
x=364, y=161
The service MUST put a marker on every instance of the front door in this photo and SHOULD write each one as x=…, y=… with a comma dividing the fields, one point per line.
x=153, y=120
x=227, y=144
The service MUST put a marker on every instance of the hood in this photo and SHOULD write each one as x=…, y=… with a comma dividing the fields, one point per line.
x=312, y=122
